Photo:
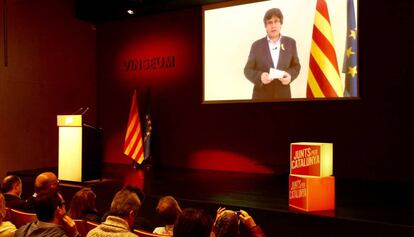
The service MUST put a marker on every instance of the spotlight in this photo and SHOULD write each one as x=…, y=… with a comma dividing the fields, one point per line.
x=130, y=12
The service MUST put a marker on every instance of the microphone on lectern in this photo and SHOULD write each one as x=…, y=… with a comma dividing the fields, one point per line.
x=86, y=110
x=78, y=111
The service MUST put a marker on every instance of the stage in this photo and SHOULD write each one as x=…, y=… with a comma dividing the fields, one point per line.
x=363, y=208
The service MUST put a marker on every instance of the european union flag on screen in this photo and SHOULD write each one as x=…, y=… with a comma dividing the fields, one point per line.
x=147, y=137
x=350, y=67
x=148, y=129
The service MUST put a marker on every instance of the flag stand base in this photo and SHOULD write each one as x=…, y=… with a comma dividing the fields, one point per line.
x=144, y=166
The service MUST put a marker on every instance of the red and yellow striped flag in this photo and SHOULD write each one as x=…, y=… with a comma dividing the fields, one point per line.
x=133, y=137
x=323, y=76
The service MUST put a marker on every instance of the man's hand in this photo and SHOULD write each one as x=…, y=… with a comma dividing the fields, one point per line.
x=286, y=79
x=69, y=226
x=246, y=219
x=265, y=78
x=219, y=211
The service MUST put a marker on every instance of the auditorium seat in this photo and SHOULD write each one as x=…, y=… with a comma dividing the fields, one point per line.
x=19, y=218
x=81, y=226
x=7, y=216
x=142, y=233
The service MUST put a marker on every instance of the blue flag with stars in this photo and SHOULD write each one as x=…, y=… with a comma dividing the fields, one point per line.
x=148, y=129
x=351, y=53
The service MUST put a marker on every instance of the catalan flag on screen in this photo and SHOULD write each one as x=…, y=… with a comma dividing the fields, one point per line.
x=350, y=60
x=133, y=138
x=324, y=80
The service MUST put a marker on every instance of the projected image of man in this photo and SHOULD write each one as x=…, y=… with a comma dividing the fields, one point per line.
x=273, y=61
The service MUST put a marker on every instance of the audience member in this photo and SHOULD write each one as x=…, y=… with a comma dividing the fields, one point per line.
x=121, y=216
x=12, y=190
x=7, y=229
x=227, y=224
x=44, y=182
x=140, y=222
x=168, y=211
x=83, y=206
x=52, y=221
x=193, y=223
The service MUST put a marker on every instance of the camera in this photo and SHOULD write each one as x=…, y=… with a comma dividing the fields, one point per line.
x=238, y=213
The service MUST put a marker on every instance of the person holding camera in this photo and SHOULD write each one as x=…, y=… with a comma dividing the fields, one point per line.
x=227, y=224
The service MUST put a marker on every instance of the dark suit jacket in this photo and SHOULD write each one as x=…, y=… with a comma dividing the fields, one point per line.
x=260, y=61
x=29, y=204
x=14, y=202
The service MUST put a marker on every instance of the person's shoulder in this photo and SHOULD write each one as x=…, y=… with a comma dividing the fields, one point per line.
x=11, y=198
x=287, y=39
x=55, y=231
x=7, y=226
x=15, y=202
x=130, y=234
x=95, y=232
x=22, y=230
x=260, y=41
x=8, y=196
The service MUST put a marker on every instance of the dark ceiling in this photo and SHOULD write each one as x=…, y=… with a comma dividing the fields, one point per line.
x=107, y=10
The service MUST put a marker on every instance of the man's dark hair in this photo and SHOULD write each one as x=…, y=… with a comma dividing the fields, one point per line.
x=45, y=204
x=193, y=223
x=137, y=191
x=271, y=13
x=9, y=182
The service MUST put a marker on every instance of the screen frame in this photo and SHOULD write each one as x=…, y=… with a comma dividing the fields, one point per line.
x=305, y=65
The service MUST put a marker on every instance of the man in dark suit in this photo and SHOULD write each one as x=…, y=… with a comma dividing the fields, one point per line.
x=273, y=51
x=12, y=190
x=44, y=182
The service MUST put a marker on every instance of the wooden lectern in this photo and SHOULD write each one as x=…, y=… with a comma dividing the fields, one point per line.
x=79, y=150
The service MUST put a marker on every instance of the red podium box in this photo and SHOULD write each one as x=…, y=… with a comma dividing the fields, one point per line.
x=311, y=158
x=310, y=193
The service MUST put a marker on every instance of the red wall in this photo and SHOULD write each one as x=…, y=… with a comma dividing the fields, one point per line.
x=367, y=134
x=51, y=70
x=54, y=61
x=183, y=134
